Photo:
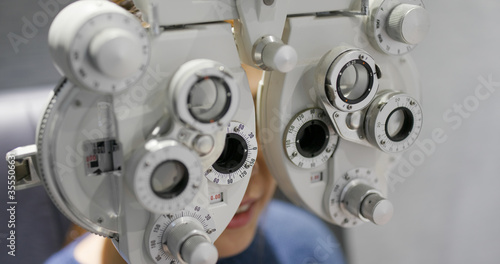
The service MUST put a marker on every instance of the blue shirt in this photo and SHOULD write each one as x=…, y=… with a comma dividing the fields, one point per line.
x=286, y=235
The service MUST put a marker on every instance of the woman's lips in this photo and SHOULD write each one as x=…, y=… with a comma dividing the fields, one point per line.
x=243, y=214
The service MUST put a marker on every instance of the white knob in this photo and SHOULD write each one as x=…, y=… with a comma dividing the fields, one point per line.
x=197, y=250
x=186, y=240
x=377, y=209
x=116, y=53
x=365, y=202
x=280, y=57
x=408, y=23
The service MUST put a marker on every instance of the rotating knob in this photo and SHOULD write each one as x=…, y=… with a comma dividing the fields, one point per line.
x=393, y=121
x=99, y=46
x=270, y=53
x=366, y=203
x=116, y=53
x=280, y=57
x=185, y=239
x=408, y=23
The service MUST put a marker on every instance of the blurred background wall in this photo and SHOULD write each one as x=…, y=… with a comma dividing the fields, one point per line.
x=447, y=196
x=447, y=193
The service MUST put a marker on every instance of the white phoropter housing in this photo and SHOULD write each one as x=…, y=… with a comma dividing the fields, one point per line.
x=369, y=97
x=134, y=125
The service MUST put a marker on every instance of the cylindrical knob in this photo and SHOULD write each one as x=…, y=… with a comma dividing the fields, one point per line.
x=408, y=23
x=116, y=53
x=197, y=250
x=279, y=56
x=203, y=144
x=366, y=203
x=186, y=240
x=377, y=209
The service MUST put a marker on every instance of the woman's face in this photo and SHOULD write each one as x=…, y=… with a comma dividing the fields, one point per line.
x=240, y=232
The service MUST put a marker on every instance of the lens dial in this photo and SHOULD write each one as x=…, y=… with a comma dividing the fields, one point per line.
x=347, y=78
x=237, y=158
x=167, y=176
x=310, y=139
x=204, y=95
x=393, y=122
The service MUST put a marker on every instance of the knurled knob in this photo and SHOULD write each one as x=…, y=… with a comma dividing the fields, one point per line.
x=408, y=23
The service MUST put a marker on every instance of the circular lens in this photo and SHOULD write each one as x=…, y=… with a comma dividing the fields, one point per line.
x=312, y=138
x=209, y=99
x=233, y=156
x=169, y=179
x=399, y=124
x=354, y=82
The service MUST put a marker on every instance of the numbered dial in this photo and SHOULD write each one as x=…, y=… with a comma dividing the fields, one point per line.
x=347, y=199
x=99, y=45
x=397, y=26
x=183, y=237
x=310, y=139
x=393, y=121
x=347, y=78
x=167, y=177
x=204, y=95
x=237, y=158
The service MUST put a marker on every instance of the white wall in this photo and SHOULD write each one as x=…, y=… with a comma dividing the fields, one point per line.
x=448, y=209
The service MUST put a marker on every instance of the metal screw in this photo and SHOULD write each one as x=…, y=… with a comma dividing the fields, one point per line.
x=221, y=68
x=247, y=166
x=236, y=129
x=349, y=107
x=210, y=231
x=382, y=142
x=412, y=102
x=328, y=150
x=347, y=177
x=336, y=115
x=268, y=2
x=100, y=220
x=294, y=154
x=362, y=57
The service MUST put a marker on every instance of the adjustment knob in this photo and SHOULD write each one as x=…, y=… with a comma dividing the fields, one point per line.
x=408, y=23
x=280, y=57
x=99, y=46
x=270, y=53
x=377, y=209
x=365, y=202
x=116, y=53
x=185, y=239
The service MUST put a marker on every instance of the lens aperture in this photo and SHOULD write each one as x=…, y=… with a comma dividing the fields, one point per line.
x=209, y=99
x=399, y=124
x=312, y=138
x=233, y=156
x=354, y=82
x=169, y=179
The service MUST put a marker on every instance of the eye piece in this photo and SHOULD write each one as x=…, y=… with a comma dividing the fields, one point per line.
x=312, y=138
x=209, y=99
x=169, y=179
x=399, y=124
x=233, y=156
x=354, y=82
